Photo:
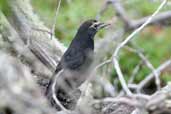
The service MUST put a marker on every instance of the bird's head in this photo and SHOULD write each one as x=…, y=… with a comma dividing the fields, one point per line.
x=91, y=27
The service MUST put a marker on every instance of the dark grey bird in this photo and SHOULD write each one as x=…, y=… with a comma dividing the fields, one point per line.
x=74, y=66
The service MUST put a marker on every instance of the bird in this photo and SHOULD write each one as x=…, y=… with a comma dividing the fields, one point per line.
x=74, y=66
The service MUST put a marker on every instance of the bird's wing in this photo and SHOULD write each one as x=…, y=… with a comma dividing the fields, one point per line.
x=73, y=59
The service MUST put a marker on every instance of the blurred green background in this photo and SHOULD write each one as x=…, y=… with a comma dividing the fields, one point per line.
x=154, y=40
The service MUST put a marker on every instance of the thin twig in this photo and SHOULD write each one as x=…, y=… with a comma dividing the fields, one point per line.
x=134, y=72
x=93, y=72
x=55, y=19
x=131, y=24
x=151, y=75
x=115, y=54
x=121, y=13
x=96, y=68
x=54, y=93
x=102, y=64
x=151, y=67
x=132, y=77
x=147, y=63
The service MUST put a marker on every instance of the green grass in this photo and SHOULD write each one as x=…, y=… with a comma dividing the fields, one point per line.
x=4, y=7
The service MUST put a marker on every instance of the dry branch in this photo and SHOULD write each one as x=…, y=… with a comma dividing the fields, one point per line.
x=38, y=42
x=122, y=44
x=163, y=18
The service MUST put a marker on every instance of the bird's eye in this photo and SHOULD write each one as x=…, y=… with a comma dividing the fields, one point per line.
x=95, y=26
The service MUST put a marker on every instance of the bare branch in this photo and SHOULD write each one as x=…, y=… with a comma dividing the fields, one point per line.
x=163, y=18
x=54, y=92
x=151, y=76
x=135, y=72
x=121, y=13
x=147, y=63
x=115, y=54
x=55, y=19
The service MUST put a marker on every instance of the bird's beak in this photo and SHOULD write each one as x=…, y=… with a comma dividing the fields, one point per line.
x=102, y=25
